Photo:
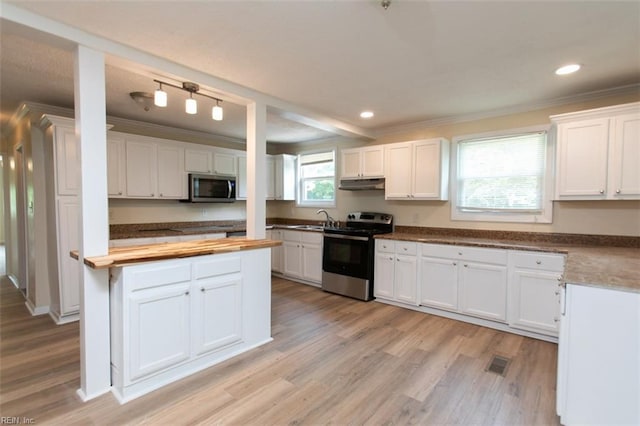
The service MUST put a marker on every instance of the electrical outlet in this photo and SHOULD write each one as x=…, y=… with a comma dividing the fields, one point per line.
x=204, y=212
x=416, y=218
x=110, y=214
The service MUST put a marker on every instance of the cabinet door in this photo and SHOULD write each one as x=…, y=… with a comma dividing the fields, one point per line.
x=582, y=159
x=398, y=171
x=276, y=252
x=350, y=163
x=312, y=262
x=69, y=273
x=286, y=177
x=625, y=168
x=427, y=170
x=372, y=161
x=405, y=279
x=116, y=167
x=483, y=290
x=270, y=180
x=197, y=161
x=67, y=161
x=384, y=275
x=159, y=332
x=217, y=313
x=292, y=258
x=141, y=169
x=534, y=301
x=439, y=283
x=172, y=181
x=224, y=164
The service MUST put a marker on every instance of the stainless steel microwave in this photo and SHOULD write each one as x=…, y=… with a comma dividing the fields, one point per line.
x=211, y=188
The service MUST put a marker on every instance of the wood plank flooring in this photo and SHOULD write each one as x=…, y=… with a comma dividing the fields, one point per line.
x=333, y=361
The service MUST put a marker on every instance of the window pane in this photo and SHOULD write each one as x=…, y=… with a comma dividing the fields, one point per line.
x=317, y=170
x=318, y=189
x=504, y=173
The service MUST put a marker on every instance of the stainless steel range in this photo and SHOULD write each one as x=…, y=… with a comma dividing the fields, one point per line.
x=349, y=252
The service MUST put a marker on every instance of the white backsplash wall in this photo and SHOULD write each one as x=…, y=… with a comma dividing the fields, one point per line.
x=123, y=211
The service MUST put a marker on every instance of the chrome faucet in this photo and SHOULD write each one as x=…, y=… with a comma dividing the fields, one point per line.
x=329, y=221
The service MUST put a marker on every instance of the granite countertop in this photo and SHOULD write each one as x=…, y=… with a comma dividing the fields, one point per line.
x=601, y=261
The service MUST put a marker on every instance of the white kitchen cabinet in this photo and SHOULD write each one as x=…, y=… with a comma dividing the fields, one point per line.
x=365, y=162
x=417, y=170
x=598, y=154
x=209, y=161
x=172, y=180
x=217, y=304
x=154, y=169
x=276, y=252
x=396, y=271
x=141, y=168
x=534, y=291
x=197, y=160
x=468, y=280
x=439, y=283
x=280, y=177
x=159, y=319
x=116, y=165
x=598, y=353
x=285, y=177
x=69, y=269
x=302, y=252
x=224, y=163
x=67, y=159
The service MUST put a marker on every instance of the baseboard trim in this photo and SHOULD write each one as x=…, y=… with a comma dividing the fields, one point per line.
x=36, y=310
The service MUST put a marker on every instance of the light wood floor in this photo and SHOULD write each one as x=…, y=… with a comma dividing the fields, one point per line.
x=333, y=361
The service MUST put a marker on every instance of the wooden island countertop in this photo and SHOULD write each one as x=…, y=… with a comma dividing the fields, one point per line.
x=121, y=256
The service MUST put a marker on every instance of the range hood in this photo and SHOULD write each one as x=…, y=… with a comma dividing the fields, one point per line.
x=361, y=184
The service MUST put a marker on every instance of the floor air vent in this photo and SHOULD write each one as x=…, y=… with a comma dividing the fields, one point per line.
x=498, y=365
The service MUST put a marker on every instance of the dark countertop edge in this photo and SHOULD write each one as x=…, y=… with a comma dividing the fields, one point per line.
x=168, y=229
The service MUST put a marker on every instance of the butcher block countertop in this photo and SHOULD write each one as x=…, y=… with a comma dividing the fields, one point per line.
x=122, y=256
x=600, y=261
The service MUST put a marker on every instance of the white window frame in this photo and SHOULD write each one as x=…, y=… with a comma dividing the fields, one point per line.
x=545, y=216
x=299, y=186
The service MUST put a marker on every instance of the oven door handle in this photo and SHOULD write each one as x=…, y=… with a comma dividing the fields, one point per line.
x=346, y=237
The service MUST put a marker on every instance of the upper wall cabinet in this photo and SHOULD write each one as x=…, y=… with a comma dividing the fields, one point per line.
x=417, y=170
x=280, y=179
x=209, y=162
x=598, y=154
x=116, y=165
x=362, y=162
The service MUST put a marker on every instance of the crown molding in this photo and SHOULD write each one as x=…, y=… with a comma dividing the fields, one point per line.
x=583, y=97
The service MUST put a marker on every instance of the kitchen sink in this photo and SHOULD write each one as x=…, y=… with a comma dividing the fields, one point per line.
x=313, y=227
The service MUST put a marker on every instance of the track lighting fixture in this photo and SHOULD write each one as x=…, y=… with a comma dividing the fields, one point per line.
x=191, y=105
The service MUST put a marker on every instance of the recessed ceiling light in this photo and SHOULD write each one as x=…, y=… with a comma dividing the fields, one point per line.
x=366, y=114
x=568, y=69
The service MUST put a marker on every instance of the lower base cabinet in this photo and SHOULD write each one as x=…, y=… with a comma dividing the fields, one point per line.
x=172, y=318
x=511, y=290
x=302, y=255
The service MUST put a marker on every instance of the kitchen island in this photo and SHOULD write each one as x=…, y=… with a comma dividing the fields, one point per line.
x=177, y=308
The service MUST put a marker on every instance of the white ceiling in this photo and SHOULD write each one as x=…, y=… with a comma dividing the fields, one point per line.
x=417, y=61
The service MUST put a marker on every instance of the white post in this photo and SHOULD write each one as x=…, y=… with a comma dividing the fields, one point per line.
x=90, y=122
x=256, y=170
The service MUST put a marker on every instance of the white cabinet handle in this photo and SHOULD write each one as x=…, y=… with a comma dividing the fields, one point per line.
x=538, y=262
x=202, y=289
x=405, y=249
x=465, y=265
x=391, y=258
x=602, y=191
x=455, y=263
x=186, y=293
x=617, y=191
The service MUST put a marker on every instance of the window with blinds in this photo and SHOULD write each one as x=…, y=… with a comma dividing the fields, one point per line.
x=503, y=176
x=316, y=185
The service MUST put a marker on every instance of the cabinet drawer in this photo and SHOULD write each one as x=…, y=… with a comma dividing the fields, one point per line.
x=538, y=261
x=156, y=276
x=385, y=246
x=473, y=254
x=404, y=247
x=216, y=267
x=311, y=237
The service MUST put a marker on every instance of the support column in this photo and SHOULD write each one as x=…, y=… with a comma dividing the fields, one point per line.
x=90, y=123
x=256, y=170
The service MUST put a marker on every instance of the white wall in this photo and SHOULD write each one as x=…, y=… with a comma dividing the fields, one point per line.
x=581, y=217
x=122, y=211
